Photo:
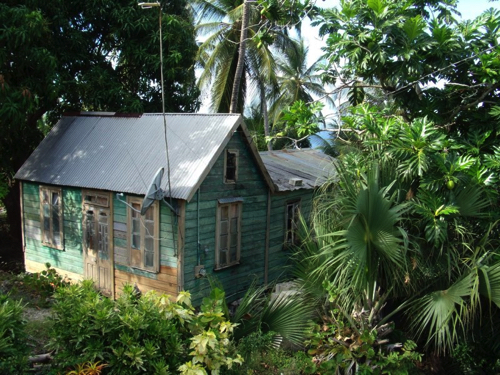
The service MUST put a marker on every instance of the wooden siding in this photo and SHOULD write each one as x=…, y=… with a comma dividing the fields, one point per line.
x=252, y=188
x=166, y=280
x=32, y=266
x=70, y=258
x=163, y=282
x=279, y=256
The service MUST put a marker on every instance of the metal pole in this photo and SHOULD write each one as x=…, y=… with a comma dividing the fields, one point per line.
x=163, y=109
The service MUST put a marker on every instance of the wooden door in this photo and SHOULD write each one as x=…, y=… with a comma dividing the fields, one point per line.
x=97, y=247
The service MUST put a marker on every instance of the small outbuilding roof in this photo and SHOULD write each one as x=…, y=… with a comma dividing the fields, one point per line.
x=309, y=167
x=122, y=153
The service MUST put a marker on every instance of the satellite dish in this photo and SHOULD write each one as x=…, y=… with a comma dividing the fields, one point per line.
x=155, y=193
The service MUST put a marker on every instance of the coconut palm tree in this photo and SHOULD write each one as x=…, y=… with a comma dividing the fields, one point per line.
x=219, y=53
x=296, y=80
x=241, y=56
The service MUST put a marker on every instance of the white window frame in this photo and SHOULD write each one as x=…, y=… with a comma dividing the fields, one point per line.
x=239, y=209
x=237, y=157
x=51, y=241
x=291, y=233
x=142, y=232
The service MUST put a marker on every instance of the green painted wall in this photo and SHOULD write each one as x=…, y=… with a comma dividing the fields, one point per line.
x=252, y=188
x=279, y=256
x=69, y=259
x=168, y=240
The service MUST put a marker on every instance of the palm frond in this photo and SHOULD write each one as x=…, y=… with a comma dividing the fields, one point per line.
x=441, y=314
x=490, y=283
x=289, y=316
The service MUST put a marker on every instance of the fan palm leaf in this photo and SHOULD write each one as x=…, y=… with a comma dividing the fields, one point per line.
x=370, y=248
x=441, y=313
x=287, y=315
x=490, y=283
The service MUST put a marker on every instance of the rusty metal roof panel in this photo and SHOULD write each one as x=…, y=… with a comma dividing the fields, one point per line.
x=313, y=167
x=108, y=152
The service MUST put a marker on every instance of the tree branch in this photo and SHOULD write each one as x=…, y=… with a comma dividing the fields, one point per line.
x=456, y=111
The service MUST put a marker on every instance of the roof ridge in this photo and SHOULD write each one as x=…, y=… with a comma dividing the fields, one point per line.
x=137, y=115
x=190, y=114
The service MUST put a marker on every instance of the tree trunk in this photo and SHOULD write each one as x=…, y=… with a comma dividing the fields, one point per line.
x=265, y=115
x=241, y=58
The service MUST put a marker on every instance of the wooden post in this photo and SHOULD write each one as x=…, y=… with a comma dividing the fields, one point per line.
x=181, y=232
x=111, y=236
x=21, y=202
x=268, y=234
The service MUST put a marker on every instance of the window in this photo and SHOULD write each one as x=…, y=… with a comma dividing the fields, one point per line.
x=231, y=166
x=95, y=198
x=228, y=234
x=143, y=234
x=51, y=217
x=292, y=221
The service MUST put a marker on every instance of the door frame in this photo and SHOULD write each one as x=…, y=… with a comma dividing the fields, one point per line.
x=110, y=208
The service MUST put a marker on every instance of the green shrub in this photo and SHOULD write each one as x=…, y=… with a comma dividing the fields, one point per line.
x=477, y=358
x=139, y=334
x=44, y=283
x=13, y=349
x=263, y=355
x=35, y=289
x=340, y=345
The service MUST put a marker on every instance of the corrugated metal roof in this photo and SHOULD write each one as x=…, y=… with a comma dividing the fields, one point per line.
x=102, y=151
x=313, y=167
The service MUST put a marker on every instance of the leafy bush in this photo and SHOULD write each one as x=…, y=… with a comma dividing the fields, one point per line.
x=210, y=342
x=33, y=288
x=477, y=358
x=263, y=356
x=359, y=342
x=359, y=352
x=43, y=283
x=13, y=349
x=139, y=333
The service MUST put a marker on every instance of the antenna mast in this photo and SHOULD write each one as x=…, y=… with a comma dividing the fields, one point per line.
x=163, y=111
x=146, y=6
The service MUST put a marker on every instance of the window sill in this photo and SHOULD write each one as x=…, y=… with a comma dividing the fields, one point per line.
x=217, y=269
x=52, y=246
x=144, y=270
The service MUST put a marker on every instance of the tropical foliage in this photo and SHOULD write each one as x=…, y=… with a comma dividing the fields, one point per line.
x=296, y=81
x=412, y=216
x=13, y=348
x=273, y=66
x=418, y=55
x=141, y=333
x=411, y=219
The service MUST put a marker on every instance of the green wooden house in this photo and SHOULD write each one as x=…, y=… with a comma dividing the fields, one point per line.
x=229, y=210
